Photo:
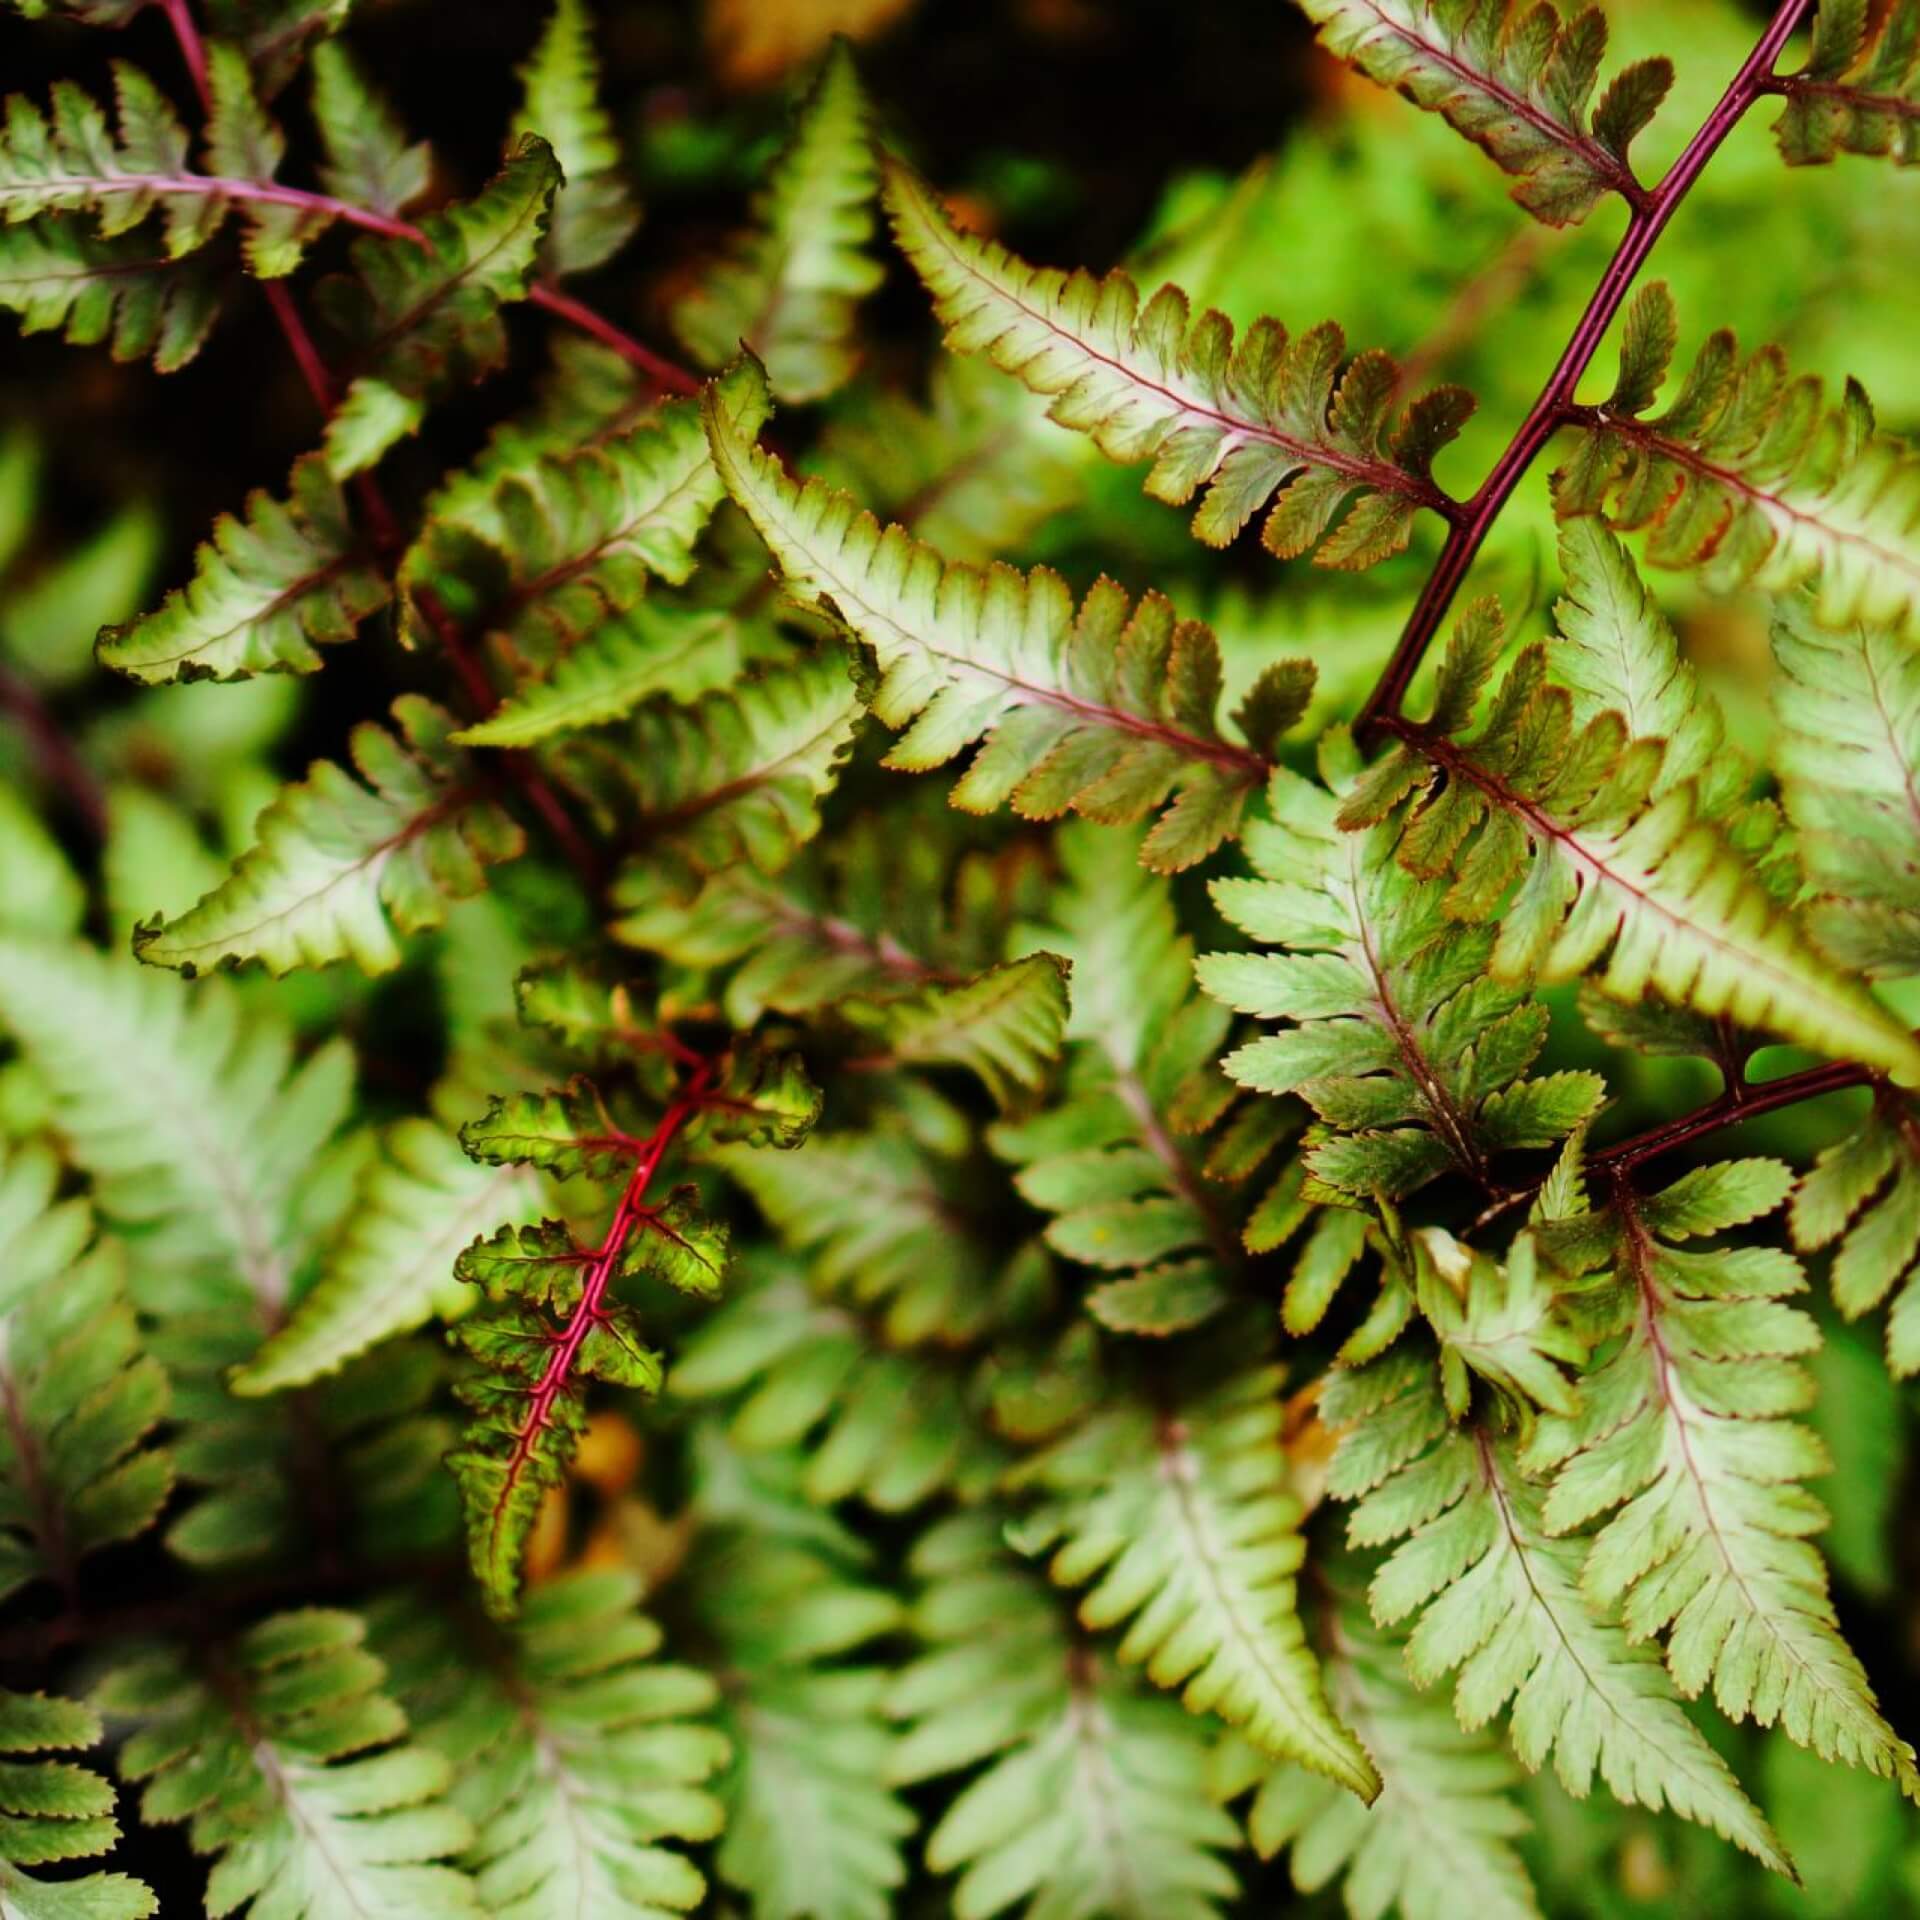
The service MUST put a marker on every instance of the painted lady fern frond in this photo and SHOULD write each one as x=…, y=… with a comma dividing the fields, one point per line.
x=1500, y=1604
x=1411, y=1055
x=1616, y=869
x=1108, y=1161
x=1246, y=422
x=1094, y=1798
x=576, y=1754
x=289, y=1761
x=1686, y=1423
x=1515, y=79
x=593, y=214
x=78, y=1470
x=1438, y=1841
x=1110, y=713
x=1860, y=89
x=1848, y=708
x=790, y=290
x=56, y=1811
x=124, y=292
x=1183, y=1519
x=1750, y=478
x=343, y=865
x=270, y=586
x=370, y=161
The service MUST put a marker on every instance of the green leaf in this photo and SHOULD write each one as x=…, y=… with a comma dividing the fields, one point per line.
x=294, y=1770
x=1616, y=871
x=1007, y=1025
x=424, y=316
x=593, y=217
x=1502, y=1604
x=1438, y=1841
x=565, y=1131
x=1862, y=1197
x=1184, y=1520
x=575, y=1752
x=81, y=1397
x=268, y=588
x=341, y=866
x=1516, y=81
x=418, y=1202
x=1848, y=709
x=1860, y=89
x=56, y=1811
x=790, y=287
x=811, y=1825
x=893, y=1429
x=1095, y=1796
x=187, y=1111
x=1247, y=422
x=1686, y=1425
x=1414, y=1059
x=1109, y=712
x=123, y=292
x=738, y=776
x=369, y=160
x=546, y=550
x=761, y=1098
x=1750, y=479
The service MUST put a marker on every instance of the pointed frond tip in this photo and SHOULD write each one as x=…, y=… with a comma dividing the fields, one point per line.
x=1592, y=862
x=1270, y=415
x=1515, y=79
x=1750, y=477
x=1110, y=712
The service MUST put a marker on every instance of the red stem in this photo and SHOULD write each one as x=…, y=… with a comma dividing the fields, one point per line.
x=1648, y=221
x=1741, y=1101
x=60, y=765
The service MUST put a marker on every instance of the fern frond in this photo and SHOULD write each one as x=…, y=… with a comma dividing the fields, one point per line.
x=1107, y=1159
x=976, y=471
x=890, y=1428
x=423, y=317
x=1411, y=1056
x=885, y=1222
x=417, y=1204
x=73, y=163
x=1848, y=709
x=575, y=1752
x=271, y=586
x=1184, y=1518
x=1862, y=1197
x=593, y=215
x=1686, y=1424
x=1006, y=1025
x=545, y=551
x=790, y=290
x=1860, y=89
x=290, y=1762
x=56, y=1811
x=812, y=1827
x=122, y=292
x=1616, y=871
x=1110, y=712
x=738, y=776
x=1750, y=478
x=342, y=865
x=187, y=1111
x=1247, y=422
x=1516, y=80
x=369, y=159
x=1094, y=1799
x=1439, y=1840
x=1501, y=1603
x=79, y=1398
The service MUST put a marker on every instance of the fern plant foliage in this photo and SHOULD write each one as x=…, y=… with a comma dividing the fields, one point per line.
x=613, y=1302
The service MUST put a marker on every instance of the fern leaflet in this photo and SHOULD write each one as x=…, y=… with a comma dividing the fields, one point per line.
x=1860, y=89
